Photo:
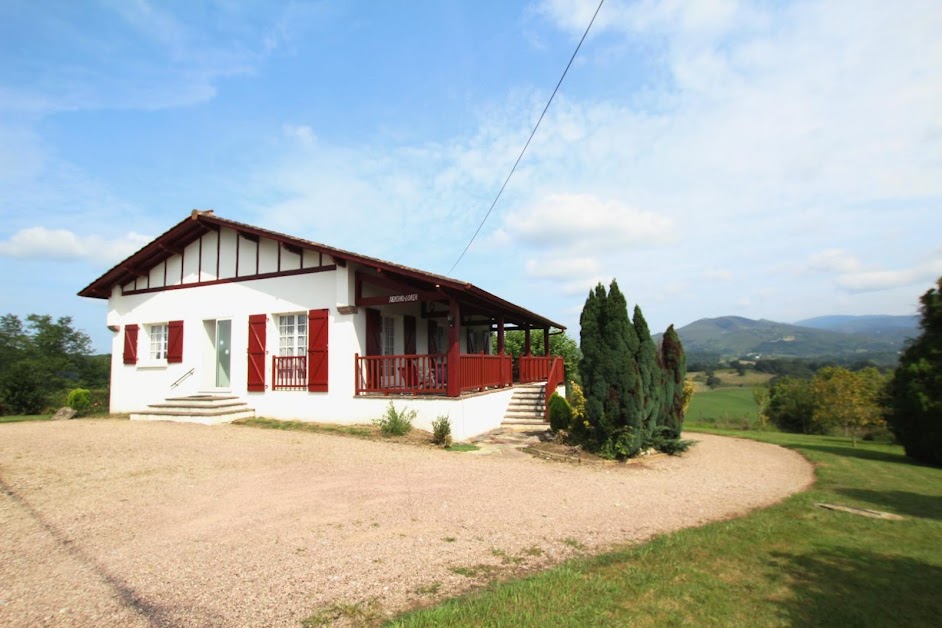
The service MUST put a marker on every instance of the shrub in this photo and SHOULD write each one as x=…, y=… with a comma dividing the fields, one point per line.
x=396, y=423
x=665, y=440
x=560, y=413
x=576, y=401
x=22, y=389
x=80, y=400
x=622, y=444
x=441, y=431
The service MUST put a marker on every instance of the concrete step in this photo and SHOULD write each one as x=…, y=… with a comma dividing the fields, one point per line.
x=524, y=426
x=171, y=405
x=192, y=418
x=516, y=414
x=202, y=408
x=526, y=408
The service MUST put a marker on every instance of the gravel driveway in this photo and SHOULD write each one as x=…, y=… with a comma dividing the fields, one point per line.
x=113, y=523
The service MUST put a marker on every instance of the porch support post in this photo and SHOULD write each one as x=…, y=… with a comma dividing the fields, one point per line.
x=500, y=335
x=546, y=341
x=454, y=349
x=526, y=339
x=500, y=348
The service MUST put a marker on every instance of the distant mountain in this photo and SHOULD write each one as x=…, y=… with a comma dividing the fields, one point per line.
x=826, y=336
x=874, y=325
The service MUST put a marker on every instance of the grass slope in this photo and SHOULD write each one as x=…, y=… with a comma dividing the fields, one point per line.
x=723, y=405
x=791, y=564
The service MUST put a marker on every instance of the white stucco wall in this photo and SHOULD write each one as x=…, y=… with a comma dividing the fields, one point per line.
x=134, y=386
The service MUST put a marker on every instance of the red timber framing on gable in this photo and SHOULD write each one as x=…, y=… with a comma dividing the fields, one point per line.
x=206, y=250
x=402, y=283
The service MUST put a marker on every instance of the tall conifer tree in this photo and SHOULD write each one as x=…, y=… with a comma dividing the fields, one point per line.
x=652, y=382
x=594, y=351
x=675, y=372
x=623, y=405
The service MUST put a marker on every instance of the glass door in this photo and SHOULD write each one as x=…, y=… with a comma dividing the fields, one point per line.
x=223, y=357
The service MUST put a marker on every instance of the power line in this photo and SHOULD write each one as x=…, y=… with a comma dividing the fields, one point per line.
x=532, y=133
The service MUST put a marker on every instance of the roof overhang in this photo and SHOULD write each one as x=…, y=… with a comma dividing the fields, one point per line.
x=187, y=231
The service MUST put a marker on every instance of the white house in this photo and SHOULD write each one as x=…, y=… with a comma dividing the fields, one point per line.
x=237, y=318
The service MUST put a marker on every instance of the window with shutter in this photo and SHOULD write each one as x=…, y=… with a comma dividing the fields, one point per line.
x=130, y=344
x=256, y=352
x=175, y=342
x=317, y=350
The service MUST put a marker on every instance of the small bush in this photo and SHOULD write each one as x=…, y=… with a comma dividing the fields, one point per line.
x=394, y=422
x=80, y=400
x=560, y=413
x=576, y=401
x=666, y=441
x=441, y=431
x=621, y=445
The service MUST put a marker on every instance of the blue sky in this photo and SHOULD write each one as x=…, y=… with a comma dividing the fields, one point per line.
x=763, y=159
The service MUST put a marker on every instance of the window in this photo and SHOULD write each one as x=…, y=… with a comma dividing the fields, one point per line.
x=389, y=335
x=388, y=343
x=158, y=341
x=292, y=335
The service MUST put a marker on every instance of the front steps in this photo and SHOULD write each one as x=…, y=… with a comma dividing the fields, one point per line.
x=526, y=409
x=205, y=408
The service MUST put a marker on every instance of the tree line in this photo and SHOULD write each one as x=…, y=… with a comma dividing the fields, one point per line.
x=42, y=359
x=908, y=400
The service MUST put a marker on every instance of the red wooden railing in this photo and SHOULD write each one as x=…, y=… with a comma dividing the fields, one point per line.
x=402, y=374
x=289, y=372
x=486, y=371
x=428, y=374
x=553, y=379
x=534, y=368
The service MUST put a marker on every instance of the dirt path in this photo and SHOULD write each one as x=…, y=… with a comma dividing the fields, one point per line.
x=137, y=524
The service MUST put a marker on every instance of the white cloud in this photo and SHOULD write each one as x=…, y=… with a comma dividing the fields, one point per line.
x=562, y=268
x=583, y=221
x=302, y=133
x=64, y=245
x=717, y=274
x=878, y=280
x=833, y=260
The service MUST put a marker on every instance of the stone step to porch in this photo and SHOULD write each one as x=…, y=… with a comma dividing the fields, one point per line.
x=526, y=409
x=204, y=408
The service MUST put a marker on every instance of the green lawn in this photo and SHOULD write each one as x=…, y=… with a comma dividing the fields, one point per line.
x=26, y=417
x=791, y=564
x=723, y=406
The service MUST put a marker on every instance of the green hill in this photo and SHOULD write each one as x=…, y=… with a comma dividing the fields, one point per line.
x=738, y=336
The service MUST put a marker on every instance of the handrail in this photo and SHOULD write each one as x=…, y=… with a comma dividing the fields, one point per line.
x=553, y=379
x=534, y=368
x=182, y=377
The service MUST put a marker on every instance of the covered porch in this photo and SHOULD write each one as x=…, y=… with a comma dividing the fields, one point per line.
x=462, y=329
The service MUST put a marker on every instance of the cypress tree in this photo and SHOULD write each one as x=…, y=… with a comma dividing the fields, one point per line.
x=652, y=381
x=594, y=352
x=623, y=412
x=675, y=372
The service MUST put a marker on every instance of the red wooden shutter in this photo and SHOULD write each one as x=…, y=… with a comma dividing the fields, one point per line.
x=256, y=377
x=408, y=324
x=317, y=323
x=175, y=342
x=374, y=328
x=130, y=344
x=433, y=347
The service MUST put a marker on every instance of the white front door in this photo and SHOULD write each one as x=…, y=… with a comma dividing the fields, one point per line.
x=223, y=352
